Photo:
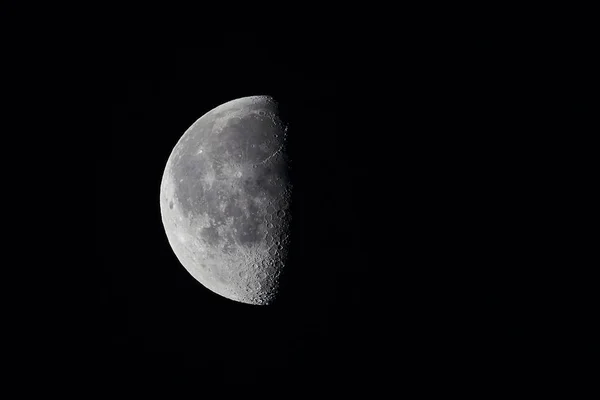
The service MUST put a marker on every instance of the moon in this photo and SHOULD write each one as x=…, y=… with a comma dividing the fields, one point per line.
x=225, y=199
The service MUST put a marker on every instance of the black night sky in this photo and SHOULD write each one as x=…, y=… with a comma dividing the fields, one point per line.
x=403, y=201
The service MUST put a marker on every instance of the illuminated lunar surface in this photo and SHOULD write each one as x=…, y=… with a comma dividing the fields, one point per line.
x=225, y=200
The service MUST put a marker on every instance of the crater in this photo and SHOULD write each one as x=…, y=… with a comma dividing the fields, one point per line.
x=282, y=204
x=254, y=285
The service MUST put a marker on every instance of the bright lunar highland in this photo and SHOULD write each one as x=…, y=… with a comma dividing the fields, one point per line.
x=225, y=199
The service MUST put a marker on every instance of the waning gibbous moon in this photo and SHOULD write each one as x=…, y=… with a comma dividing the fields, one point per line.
x=225, y=199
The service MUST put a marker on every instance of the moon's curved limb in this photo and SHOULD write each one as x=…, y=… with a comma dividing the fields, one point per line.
x=225, y=199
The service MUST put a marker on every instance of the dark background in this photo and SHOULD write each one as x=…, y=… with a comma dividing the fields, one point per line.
x=156, y=319
x=423, y=186
x=457, y=138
